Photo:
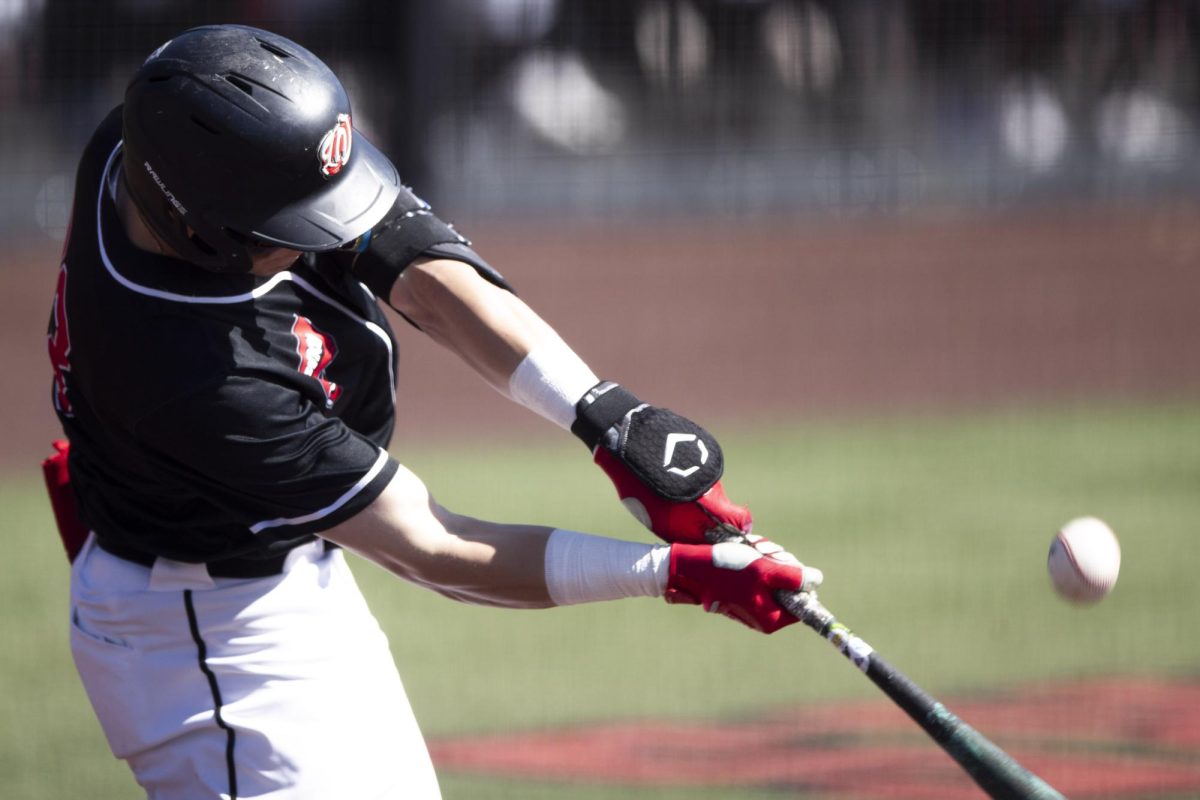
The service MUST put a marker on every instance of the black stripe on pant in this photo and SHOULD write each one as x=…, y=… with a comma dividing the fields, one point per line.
x=202, y=655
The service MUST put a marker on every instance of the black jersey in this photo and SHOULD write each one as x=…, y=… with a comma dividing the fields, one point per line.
x=211, y=415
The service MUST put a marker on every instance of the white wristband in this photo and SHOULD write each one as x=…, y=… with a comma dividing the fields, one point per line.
x=581, y=568
x=550, y=381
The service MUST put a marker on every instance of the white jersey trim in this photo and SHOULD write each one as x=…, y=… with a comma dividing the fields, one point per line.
x=159, y=293
x=366, y=479
x=232, y=298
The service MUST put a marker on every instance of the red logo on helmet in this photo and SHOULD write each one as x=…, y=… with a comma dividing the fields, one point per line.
x=316, y=351
x=334, y=150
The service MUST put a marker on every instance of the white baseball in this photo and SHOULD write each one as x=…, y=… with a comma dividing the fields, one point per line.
x=1084, y=560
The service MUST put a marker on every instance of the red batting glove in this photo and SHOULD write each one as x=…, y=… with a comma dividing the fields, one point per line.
x=670, y=520
x=739, y=580
x=62, y=500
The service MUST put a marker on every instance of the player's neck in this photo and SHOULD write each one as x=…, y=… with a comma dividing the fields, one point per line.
x=136, y=229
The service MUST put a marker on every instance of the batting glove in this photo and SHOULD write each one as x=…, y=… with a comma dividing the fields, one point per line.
x=739, y=580
x=666, y=469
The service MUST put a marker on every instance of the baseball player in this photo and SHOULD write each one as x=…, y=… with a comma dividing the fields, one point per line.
x=225, y=377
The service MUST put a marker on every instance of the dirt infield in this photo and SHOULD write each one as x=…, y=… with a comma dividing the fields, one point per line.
x=782, y=318
x=1093, y=740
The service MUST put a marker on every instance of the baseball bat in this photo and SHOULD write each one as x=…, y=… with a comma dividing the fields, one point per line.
x=995, y=771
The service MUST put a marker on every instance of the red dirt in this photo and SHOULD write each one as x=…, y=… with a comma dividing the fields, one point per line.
x=1094, y=740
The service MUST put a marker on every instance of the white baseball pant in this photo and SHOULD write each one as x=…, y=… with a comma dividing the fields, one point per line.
x=281, y=688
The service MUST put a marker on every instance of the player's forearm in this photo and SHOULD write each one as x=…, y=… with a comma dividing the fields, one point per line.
x=484, y=564
x=491, y=329
x=488, y=563
x=407, y=533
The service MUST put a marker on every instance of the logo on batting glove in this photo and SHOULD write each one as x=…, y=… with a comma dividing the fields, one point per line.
x=675, y=439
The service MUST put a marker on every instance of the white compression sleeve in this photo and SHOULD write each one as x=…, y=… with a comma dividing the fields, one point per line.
x=581, y=568
x=550, y=381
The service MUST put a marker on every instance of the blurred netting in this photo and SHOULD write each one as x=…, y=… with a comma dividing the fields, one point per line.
x=595, y=108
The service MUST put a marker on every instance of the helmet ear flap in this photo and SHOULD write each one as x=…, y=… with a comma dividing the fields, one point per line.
x=170, y=229
x=202, y=245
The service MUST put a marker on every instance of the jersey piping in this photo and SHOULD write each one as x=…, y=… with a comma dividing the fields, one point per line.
x=364, y=481
x=244, y=297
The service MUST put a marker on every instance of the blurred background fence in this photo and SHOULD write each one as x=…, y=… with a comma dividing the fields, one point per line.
x=627, y=108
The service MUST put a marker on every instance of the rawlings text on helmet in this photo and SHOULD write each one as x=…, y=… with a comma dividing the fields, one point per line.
x=167, y=193
x=334, y=150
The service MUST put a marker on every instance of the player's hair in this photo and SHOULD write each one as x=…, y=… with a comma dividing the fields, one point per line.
x=237, y=138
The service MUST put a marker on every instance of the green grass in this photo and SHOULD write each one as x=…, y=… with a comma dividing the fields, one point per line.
x=932, y=533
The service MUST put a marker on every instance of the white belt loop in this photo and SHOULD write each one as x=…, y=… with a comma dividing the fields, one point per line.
x=313, y=551
x=167, y=575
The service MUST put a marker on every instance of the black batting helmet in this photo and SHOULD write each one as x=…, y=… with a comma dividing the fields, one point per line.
x=235, y=137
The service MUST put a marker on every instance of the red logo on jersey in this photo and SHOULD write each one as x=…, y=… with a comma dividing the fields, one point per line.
x=316, y=351
x=334, y=150
x=58, y=342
